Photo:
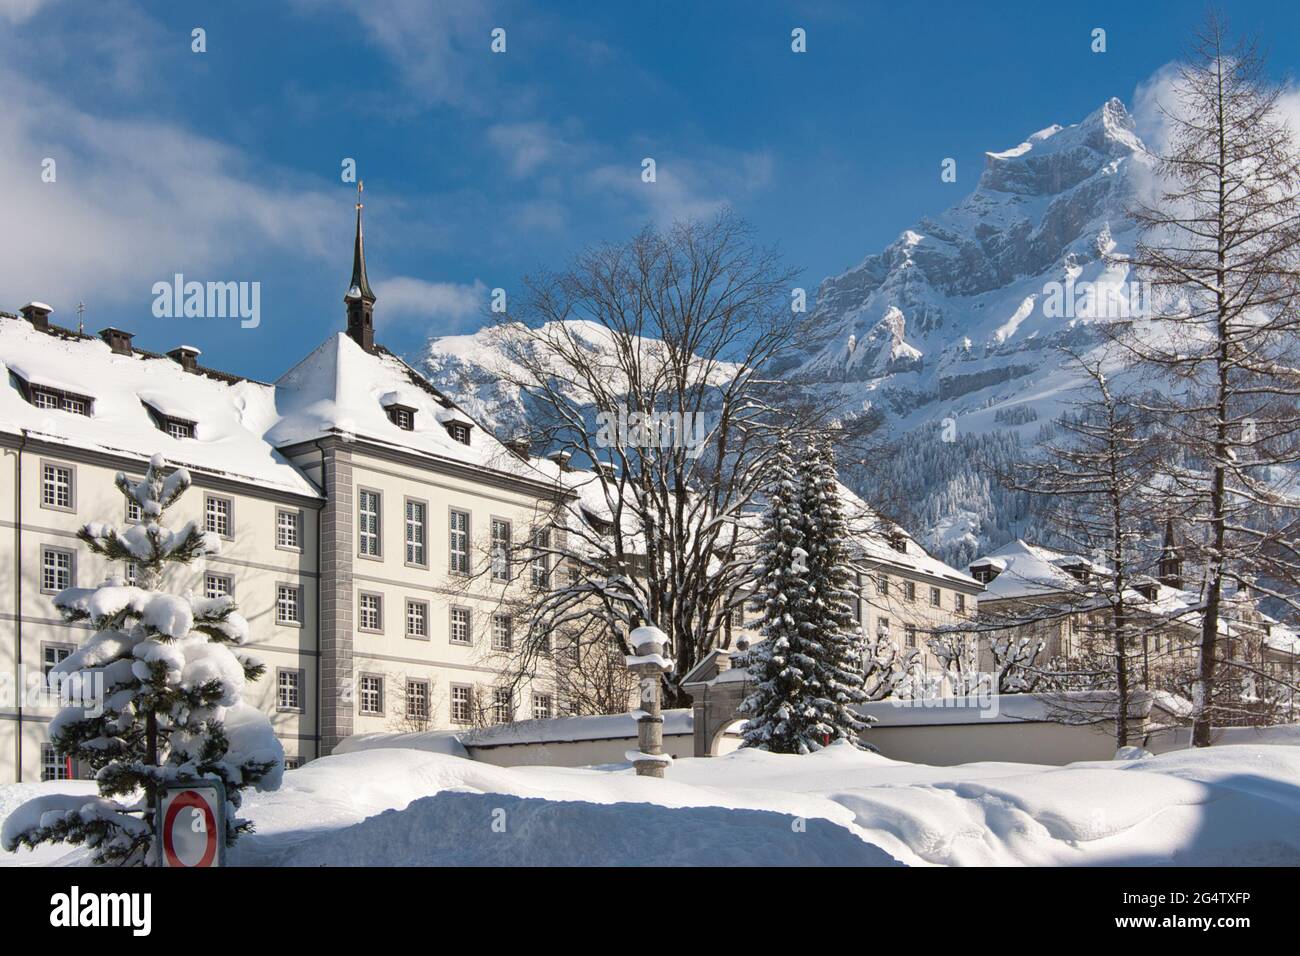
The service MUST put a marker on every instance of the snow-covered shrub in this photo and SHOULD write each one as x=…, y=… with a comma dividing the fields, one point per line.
x=171, y=709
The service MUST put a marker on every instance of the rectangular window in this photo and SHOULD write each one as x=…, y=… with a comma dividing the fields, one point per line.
x=417, y=699
x=460, y=625
x=503, y=638
x=738, y=616
x=882, y=585
x=542, y=560
x=936, y=597
x=217, y=585
x=133, y=513
x=179, y=429
x=371, y=616
x=132, y=572
x=368, y=523
x=544, y=644
x=503, y=705
x=500, y=550
x=53, y=766
x=909, y=589
x=960, y=600
x=217, y=515
x=417, y=619
x=460, y=703
x=415, y=532
x=459, y=432
x=56, y=569
x=371, y=696
x=56, y=487
x=43, y=399
x=289, y=690
x=909, y=635
x=286, y=530
x=543, y=706
x=460, y=542
x=288, y=604
x=292, y=763
x=882, y=627
x=75, y=405
x=52, y=654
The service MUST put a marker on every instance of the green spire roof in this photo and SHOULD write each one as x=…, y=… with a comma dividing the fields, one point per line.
x=360, y=286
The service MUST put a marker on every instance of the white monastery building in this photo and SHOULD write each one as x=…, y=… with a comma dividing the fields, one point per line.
x=353, y=500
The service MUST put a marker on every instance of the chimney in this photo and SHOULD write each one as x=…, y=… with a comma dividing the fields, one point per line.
x=118, y=341
x=38, y=314
x=186, y=356
x=519, y=445
x=561, y=459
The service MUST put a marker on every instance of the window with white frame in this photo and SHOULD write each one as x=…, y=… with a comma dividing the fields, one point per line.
x=417, y=700
x=882, y=585
x=217, y=585
x=460, y=625
x=503, y=705
x=51, y=655
x=543, y=706
x=44, y=399
x=371, y=694
x=909, y=635
x=909, y=590
x=541, y=559
x=500, y=550
x=289, y=689
x=936, y=597
x=56, y=569
x=417, y=619
x=53, y=765
x=372, y=612
x=459, y=542
x=286, y=529
x=503, y=632
x=882, y=627
x=368, y=523
x=56, y=486
x=131, y=571
x=459, y=432
x=216, y=512
x=288, y=604
x=292, y=763
x=415, y=526
x=738, y=615
x=960, y=600
x=461, y=697
x=133, y=513
x=179, y=428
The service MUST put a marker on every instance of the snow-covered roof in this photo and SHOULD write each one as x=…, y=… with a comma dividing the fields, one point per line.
x=340, y=388
x=871, y=541
x=1028, y=570
x=233, y=414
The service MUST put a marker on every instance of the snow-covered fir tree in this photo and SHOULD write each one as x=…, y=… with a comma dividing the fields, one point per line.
x=774, y=723
x=834, y=642
x=167, y=707
x=808, y=667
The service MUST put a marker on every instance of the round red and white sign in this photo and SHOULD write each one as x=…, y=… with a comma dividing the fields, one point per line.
x=190, y=831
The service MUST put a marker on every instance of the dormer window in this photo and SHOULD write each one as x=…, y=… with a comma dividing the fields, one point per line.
x=984, y=573
x=403, y=416
x=459, y=431
x=179, y=428
x=1078, y=571
x=43, y=396
x=898, y=541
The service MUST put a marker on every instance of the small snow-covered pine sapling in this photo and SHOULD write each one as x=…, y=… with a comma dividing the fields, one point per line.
x=169, y=708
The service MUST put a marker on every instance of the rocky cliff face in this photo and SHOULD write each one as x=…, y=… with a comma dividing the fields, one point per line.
x=958, y=319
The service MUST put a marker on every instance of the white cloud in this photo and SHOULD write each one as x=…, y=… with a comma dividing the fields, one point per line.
x=20, y=11
x=527, y=146
x=450, y=303
x=134, y=202
x=684, y=188
x=442, y=49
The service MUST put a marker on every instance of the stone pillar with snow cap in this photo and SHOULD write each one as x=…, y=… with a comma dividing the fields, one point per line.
x=649, y=665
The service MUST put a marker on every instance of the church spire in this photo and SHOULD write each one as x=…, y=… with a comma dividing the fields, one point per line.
x=360, y=300
x=1171, y=559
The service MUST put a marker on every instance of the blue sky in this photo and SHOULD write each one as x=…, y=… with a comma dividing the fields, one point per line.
x=482, y=167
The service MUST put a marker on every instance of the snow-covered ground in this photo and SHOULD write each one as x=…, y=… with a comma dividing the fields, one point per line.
x=1227, y=805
